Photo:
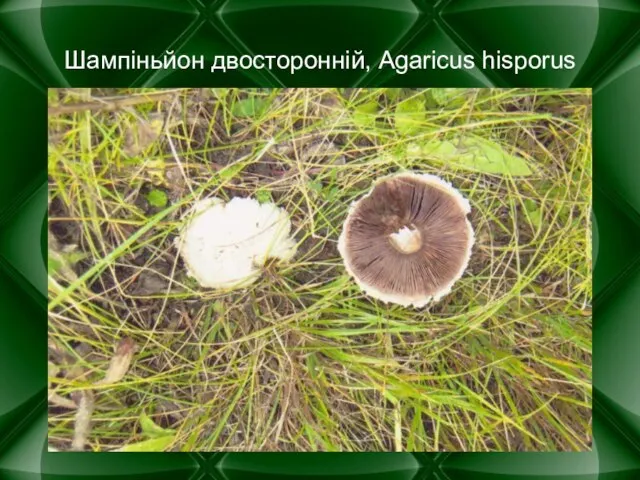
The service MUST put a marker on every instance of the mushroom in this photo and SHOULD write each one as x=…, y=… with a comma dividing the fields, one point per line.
x=224, y=245
x=408, y=240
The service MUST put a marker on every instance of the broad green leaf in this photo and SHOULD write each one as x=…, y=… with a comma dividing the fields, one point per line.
x=330, y=193
x=151, y=429
x=218, y=307
x=263, y=196
x=220, y=93
x=534, y=213
x=54, y=264
x=449, y=97
x=365, y=115
x=156, y=170
x=74, y=256
x=392, y=94
x=159, y=444
x=61, y=259
x=315, y=185
x=157, y=198
x=52, y=96
x=250, y=107
x=409, y=116
x=477, y=154
x=230, y=171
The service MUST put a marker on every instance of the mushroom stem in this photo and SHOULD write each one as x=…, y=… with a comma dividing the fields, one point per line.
x=406, y=240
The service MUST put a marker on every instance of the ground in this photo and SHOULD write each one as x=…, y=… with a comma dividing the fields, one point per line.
x=142, y=358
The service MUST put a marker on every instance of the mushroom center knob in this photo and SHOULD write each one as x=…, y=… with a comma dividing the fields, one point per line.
x=406, y=240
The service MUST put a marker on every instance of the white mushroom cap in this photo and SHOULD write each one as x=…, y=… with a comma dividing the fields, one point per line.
x=408, y=240
x=224, y=245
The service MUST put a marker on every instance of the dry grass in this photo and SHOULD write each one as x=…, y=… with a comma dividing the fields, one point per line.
x=301, y=360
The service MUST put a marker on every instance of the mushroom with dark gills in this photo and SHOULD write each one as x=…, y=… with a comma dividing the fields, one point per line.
x=408, y=240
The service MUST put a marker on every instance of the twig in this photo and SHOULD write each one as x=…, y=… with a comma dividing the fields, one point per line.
x=110, y=104
x=118, y=367
x=83, y=421
x=60, y=401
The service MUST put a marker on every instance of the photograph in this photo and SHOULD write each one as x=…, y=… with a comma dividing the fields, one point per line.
x=319, y=270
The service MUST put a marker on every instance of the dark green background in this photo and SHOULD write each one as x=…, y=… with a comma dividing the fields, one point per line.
x=602, y=34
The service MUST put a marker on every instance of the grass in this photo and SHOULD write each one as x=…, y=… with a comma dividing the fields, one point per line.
x=302, y=360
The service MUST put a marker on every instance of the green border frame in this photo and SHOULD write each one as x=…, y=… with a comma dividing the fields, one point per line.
x=603, y=34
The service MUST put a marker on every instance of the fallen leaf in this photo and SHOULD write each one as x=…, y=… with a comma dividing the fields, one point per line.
x=142, y=134
x=59, y=401
x=62, y=258
x=149, y=283
x=120, y=362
